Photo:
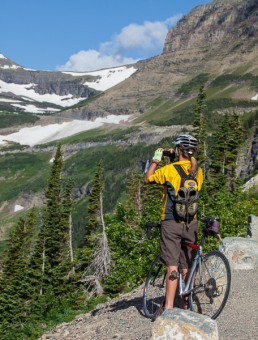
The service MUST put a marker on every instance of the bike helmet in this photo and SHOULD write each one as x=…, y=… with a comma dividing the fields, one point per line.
x=187, y=143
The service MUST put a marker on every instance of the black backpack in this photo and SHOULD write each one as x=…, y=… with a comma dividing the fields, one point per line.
x=186, y=201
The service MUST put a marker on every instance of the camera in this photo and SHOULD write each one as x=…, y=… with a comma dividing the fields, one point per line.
x=167, y=153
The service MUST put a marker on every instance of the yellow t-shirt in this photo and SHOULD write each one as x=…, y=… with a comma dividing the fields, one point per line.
x=170, y=178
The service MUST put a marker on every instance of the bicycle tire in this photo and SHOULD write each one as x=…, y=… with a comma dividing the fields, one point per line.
x=154, y=288
x=210, y=296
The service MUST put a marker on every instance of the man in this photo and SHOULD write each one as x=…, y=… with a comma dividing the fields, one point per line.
x=173, y=229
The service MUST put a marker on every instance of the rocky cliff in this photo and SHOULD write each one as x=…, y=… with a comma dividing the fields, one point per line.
x=229, y=22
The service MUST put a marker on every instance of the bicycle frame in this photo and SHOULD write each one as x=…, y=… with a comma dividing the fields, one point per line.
x=185, y=288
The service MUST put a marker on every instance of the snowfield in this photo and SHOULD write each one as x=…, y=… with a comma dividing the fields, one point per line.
x=43, y=134
x=107, y=78
x=27, y=90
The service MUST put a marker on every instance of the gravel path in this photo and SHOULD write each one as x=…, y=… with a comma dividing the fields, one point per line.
x=122, y=318
x=239, y=319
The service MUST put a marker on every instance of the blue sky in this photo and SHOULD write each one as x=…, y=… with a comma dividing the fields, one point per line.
x=84, y=35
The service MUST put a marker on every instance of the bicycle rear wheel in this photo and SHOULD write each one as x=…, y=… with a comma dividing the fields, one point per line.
x=154, y=289
x=211, y=285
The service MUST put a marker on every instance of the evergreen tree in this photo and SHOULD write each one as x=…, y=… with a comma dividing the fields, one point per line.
x=51, y=257
x=94, y=207
x=235, y=140
x=200, y=129
x=96, y=255
x=135, y=187
x=67, y=220
x=14, y=283
x=227, y=140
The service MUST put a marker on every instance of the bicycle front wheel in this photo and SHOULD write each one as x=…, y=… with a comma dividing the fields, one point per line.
x=211, y=285
x=154, y=289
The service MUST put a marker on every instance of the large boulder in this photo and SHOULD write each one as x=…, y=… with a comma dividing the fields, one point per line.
x=242, y=253
x=182, y=324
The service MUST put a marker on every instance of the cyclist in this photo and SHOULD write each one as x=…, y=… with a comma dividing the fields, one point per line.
x=173, y=230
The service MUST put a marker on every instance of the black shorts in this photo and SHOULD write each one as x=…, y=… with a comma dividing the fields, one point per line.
x=172, y=234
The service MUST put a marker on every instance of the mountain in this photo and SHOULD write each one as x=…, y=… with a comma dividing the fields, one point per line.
x=216, y=39
x=215, y=45
x=47, y=92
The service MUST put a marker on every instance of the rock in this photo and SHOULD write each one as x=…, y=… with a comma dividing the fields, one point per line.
x=252, y=230
x=183, y=324
x=242, y=253
x=211, y=24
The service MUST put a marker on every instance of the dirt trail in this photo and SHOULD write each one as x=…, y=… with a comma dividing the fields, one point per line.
x=122, y=318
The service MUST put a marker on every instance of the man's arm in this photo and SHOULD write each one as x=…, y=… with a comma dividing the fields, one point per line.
x=155, y=161
x=150, y=171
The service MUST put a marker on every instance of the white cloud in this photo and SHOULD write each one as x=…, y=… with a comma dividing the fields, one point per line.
x=143, y=40
x=93, y=60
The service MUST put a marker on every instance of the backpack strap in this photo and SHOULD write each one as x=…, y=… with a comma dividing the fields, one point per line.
x=183, y=174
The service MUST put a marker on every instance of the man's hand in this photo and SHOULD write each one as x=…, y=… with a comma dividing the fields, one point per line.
x=158, y=155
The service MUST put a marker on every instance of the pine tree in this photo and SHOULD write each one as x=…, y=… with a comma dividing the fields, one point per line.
x=67, y=220
x=97, y=252
x=227, y=140
x=14, y=284
x=94, y=219
x=235, y=140
x=135, y=187
x=50, y=260
x=200, y=129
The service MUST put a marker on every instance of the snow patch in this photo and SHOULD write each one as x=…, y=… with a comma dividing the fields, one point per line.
x=107, y=78
x=255, y=97
x=43, y=134
x=34, y=109
x=27, y=90
x=9, y=100
x=2, y=56
x=18, y=207
x=10, y=66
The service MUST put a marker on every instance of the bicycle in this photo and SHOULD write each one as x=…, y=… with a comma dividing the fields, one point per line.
x=208, y=283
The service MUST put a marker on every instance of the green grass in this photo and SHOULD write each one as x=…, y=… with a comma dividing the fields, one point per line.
x=22, y=172
x=155, y=102
x=9, y=119
x=194, y=84
x=229, y=79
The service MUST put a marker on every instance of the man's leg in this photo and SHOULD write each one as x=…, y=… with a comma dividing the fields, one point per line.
x=187, y=254
x=171, y=286
x=184, y=304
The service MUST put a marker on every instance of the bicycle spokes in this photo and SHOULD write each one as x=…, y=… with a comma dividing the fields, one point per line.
x=154, y=290
x=211, y=285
